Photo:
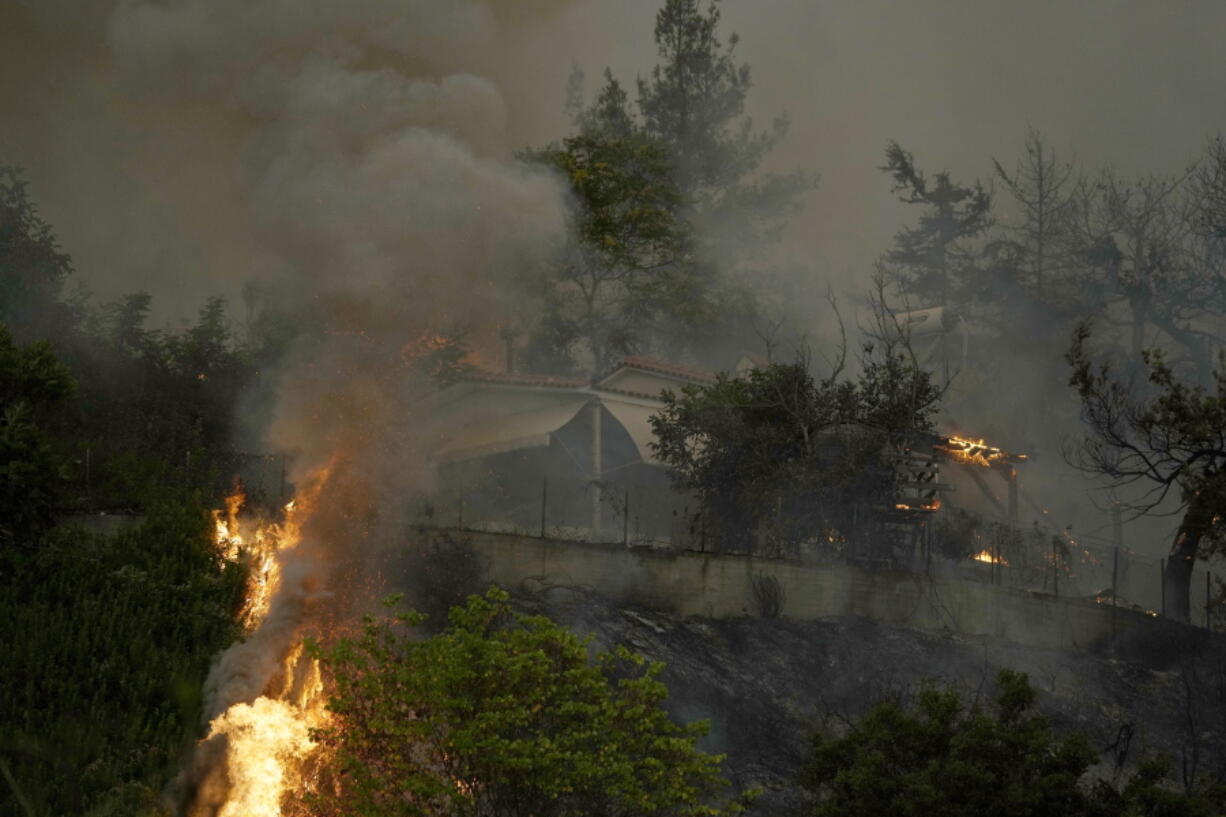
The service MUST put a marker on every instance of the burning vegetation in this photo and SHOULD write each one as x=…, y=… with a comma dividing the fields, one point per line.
x=265, y=692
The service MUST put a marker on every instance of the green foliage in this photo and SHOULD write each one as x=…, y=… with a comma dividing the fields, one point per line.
x=942, y=758
x=503, y=714
x=34, y=386
x=155, y=407
x=694, y=102
x=33, y=268
x=778, y=450
x=671, y=207
x=630, y=244
x=107, y=643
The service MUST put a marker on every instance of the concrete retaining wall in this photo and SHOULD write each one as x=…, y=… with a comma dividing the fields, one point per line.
x=719, y=586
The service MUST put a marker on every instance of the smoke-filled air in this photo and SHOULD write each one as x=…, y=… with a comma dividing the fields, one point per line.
x=553, y=408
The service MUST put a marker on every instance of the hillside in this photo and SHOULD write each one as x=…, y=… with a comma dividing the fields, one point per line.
x=765, y=685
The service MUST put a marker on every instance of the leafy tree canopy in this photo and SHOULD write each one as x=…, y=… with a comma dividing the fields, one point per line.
x=504, y=714
x=33, y=268
x=681, y=169
x=630, y=250
x=780, y=449
x=940, y=757
x=34, y=387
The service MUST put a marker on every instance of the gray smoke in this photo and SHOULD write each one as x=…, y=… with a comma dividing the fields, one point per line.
x=358, y=153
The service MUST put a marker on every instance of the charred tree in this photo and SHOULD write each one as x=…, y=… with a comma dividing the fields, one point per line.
x=1042, y=188
x=1165, y=435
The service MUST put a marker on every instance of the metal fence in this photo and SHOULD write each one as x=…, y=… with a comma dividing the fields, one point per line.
x=1040, y=560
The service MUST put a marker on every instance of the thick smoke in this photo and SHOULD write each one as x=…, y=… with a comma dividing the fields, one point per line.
x=380, y=203
x=378, y=191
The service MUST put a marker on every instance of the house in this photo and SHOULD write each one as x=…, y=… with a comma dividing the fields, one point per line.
x=560, y=454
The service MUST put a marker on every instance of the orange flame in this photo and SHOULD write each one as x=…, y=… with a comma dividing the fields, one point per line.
x=988, y=557
x=268, y=740
x=976, y=451
x=933, y=505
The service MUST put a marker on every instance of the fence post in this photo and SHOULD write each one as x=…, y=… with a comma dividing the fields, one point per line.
x=626, y=520
x=1162, y=583
x=460, y=514
x=1115, y=587
x=1055, y=568
x=544, y=501
x=1208, y=620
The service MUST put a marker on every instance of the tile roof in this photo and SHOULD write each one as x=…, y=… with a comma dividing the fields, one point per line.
x=524, y=379
x=651, y=364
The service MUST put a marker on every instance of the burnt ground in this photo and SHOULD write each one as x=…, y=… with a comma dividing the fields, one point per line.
x=766, y=685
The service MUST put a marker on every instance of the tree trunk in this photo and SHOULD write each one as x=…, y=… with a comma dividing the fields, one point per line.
x=1177, y=580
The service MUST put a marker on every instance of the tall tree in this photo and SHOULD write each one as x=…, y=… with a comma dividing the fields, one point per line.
x=694, y=102
x=1132, y=239
x=1210, y=182
x=33, y=268
x=1041, y=188
x=628, y=252
x=1166, y=435
x=934, y=260
x=691, y=107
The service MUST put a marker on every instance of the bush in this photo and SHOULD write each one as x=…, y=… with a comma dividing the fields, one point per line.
x=107, y=643
x=942, y=758
x=504, y=714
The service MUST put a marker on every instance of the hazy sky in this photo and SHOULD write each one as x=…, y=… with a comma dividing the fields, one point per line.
x=140, y=187
x=363, y=146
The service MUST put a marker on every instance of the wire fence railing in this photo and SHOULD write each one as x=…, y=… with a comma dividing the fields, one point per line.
x=1037, y=560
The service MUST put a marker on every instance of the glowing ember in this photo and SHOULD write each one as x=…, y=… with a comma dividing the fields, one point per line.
x=976, y=452
x=933, y=505
x=988, y=557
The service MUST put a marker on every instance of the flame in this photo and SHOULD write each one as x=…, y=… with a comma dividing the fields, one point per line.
x=425, y=344
x=267, y=741
x=988, y=557
x=976, y=451
x=257, y=544
x=933, y=505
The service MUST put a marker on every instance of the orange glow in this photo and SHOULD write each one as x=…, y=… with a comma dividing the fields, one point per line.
x=934, y=505
x=988, y=557
x=423, y=345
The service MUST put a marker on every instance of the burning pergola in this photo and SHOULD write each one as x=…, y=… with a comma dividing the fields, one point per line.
x=976, y=454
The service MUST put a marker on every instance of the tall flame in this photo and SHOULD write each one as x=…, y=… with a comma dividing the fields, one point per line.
x=258, y=744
